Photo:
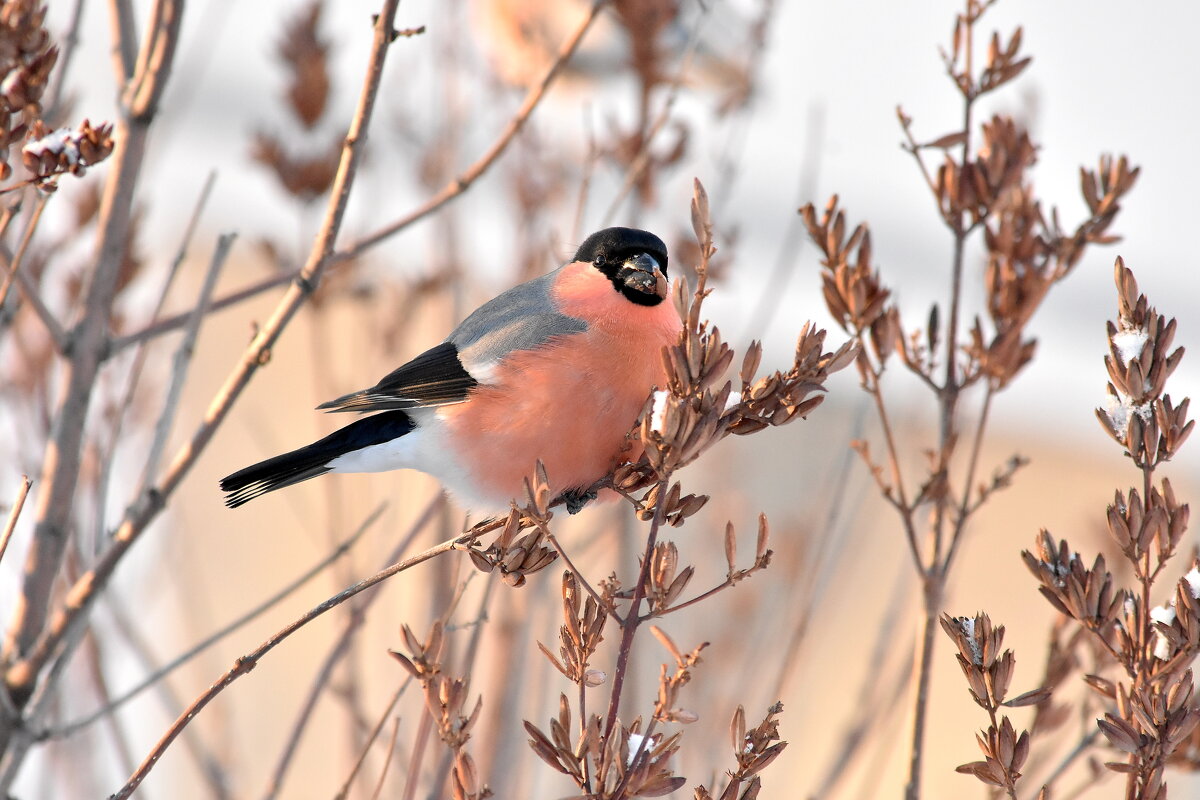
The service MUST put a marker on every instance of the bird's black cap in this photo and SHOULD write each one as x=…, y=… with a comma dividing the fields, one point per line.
x=612, y=246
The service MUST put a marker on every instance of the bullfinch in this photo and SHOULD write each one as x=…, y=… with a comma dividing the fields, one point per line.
x=555, y=369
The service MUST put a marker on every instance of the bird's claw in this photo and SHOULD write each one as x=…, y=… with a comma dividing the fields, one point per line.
x=576, y=499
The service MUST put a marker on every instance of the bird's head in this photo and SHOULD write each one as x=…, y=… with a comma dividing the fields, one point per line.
x=635, y=261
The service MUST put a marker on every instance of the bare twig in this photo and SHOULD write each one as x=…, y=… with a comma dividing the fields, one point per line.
x=476, y=170
x=583, y=581
x=166, y=669
x=632, y=620
x=80, y=598
x=641, y=160
x=449, y=192
x=183, y=358
x=139, y=361
x=177, y=321
x=124, y=37
x=70, y=41
x=87, y=345
x=391, y=751
x=339, y=650
x=248, y=662
x=28, y=289
x=14, y=513
x=345, y=790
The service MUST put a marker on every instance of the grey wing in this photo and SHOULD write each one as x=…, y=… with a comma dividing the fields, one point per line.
x=519, y=319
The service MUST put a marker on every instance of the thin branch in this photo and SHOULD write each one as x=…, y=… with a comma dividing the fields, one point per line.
x=145, y=88
x=965, y=508
x=183, y=359
x=424, y=727
x=612, y=612
x=632, y=619
x=468, y=660
x=388, y=761
x=362, y=758
x=32, y=619
x=774, y=289
x=248, y=662
x=70, y=42
x=172, y=323
x=147, y=507
x=139, y=361
x=70, y=728
x=1081, y=747
x=11, y=523
x=460, y=184
x=901, y=504
x=934, y=580
x=124, y=37
x=25, y=284
x=449, y=192
x=641, y=160
x=339, y=650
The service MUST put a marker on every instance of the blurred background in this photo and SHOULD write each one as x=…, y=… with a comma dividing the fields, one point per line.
x=771, y=105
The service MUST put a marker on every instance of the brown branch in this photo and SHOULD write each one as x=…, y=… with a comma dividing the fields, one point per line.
x=641, y=160
x=966, y=508
x=85, y=347
x=339, y=650
x=166, y=669
x=183, y=359
x=139, y=360
x=472, y=173
x=632, y=619
x=31, y=615
x=177, y=321
x=124, y=37
x=454, y=188
x=582, y=580
x=249, y=661
x=25, y=284
x=14, y=513
x=362, y=758
x=145, y=88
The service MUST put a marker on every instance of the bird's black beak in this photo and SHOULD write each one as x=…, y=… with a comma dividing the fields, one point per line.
x=642, y=273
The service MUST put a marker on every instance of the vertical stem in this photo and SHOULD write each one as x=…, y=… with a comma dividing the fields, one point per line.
x=932, y=599
x=934, y=578
x=630, y=625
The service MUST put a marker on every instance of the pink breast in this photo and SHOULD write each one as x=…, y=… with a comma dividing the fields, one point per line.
x=570, y=402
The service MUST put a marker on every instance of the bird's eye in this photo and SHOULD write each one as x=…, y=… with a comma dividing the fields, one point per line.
x=600, y=261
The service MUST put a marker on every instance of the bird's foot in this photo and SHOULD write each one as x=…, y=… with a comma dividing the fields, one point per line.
x=576, y=499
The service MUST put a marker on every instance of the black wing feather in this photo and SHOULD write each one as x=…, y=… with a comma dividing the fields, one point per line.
x=434, y=378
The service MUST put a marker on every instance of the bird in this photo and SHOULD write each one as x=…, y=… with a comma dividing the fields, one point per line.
x=556, y=369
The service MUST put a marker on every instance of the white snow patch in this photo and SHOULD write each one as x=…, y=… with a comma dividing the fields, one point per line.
x=658, y=411
x=1129, y=342
x=1119, y=408
x=1162, y=645
x=1193, y=581
x=635, y=742
x=58, y=142
x=968, y=627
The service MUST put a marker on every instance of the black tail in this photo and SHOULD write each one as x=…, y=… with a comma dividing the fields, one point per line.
x=313, y=460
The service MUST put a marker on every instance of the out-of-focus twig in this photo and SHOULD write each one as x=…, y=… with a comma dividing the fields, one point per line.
x=472, y=173
x=14, y=513
x=362, y=758
x=29, y=291
x=249, y=661
x=252, y=614
x=183, y=358
x=81, y=596
x=339, y=650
